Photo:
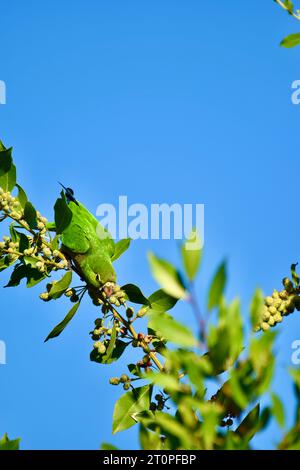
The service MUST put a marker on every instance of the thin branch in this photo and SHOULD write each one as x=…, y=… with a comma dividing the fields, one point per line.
x=286, y=8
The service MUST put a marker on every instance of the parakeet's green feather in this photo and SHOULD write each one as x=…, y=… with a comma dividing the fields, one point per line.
x=89, y=246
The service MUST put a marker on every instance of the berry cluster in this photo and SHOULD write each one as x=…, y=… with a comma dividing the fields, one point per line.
x=279, y=305
x=10, y=249
x=160, y=402
x=124, y=379
x=10, y=205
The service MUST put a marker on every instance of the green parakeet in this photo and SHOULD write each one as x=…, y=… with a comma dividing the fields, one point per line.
x=85, y=242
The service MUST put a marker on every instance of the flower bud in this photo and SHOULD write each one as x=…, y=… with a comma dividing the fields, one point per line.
x=101, y=348
x=272, y=310
x=44, y=296
x=271, y=321
x=142, y=312
x=269, y=301
x=124, y=378
x=69, y=293
x=265, y=326
x=114, y=380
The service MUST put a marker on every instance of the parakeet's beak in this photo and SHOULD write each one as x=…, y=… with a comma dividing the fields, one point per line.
x=62, y=186
x=69, y=194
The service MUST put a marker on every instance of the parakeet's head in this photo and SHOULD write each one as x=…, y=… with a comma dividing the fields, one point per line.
x=69, y=194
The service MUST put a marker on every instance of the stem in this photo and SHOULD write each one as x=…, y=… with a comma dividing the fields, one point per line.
x=282, y=5
x=45, y=261
x=198, y=315
x=129, y=326
x=33, y=233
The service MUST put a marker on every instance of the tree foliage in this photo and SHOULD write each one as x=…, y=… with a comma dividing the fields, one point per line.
x=185, y=391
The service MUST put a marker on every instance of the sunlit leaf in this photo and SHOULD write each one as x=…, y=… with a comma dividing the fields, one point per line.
x=130, y=404
x=165, y=326
x=167, y=276
x=217, y=287
x=58, y=288
x=135, y=295
x=291, y=41
x=191, y=255
x=161, y=301
x=278, y=410
x=120, y=247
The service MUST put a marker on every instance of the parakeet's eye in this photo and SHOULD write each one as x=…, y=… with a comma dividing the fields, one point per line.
x=70, y=190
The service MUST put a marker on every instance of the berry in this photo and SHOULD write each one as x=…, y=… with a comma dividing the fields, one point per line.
x=153, y=406
x=114, y=380
x=129, y=312
x=124, y=378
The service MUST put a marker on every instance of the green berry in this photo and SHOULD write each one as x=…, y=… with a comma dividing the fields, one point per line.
x=101, y=348
x=278, y=318
x=269, y=301
x=272, y=310
x=124, y=378
x=265, y=326
x=114, y=380
x=271, y=321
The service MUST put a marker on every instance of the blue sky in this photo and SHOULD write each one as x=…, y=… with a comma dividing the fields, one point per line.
x=163, y=101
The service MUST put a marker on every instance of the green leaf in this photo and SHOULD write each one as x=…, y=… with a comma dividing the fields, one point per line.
x=210, y=414
x=13, y=233
x=58, y=289
x=165, y=326
x=289, y=5
x=7, y=170
x=217, y=287
x=129, y=405
x=63, y=214
x=248, y=427
x=238, y=393
x=20, y=272
x=7, y=444
x=62, y=325
x=120, y=247
x=165, y=381
x=106, y=446
x=256, y=307
x=278, y=410
x=22, y=197
x=30, y=215
x=291, y=41
x=55, y=243
x=170, y=425
x=135, y=295
x=134, y=369
x=160, y=301
x=167, y=276
x=191, y=255
x=112, y=344
x=23, y=242
x=295, y=276
x=117, y=352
